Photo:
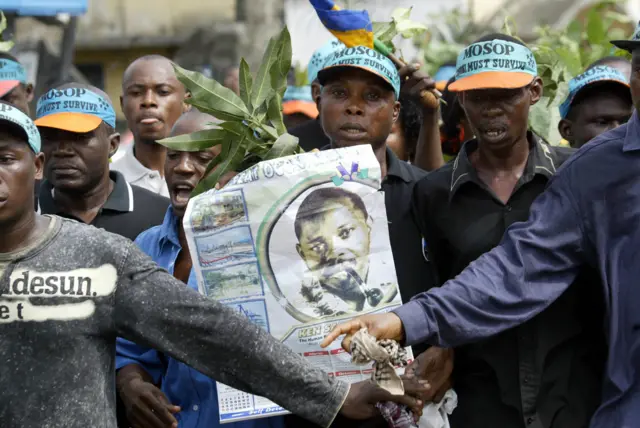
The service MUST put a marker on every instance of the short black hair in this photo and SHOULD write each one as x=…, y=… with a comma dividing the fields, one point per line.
x=313, y=206
x=411, y=121
x=500, y=36
x=596, y=89
x=608, y=60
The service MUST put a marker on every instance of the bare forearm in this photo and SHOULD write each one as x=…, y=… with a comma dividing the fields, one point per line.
x=429, y=149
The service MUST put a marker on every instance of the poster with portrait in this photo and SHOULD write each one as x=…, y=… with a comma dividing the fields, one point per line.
x=296, y=245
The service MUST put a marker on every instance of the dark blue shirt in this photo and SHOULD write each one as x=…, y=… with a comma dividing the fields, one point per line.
x=589, y=215
x=194, y=392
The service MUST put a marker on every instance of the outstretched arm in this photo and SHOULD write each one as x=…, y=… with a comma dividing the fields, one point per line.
x=535, y=263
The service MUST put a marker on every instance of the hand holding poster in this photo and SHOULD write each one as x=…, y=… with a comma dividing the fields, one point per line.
x=296, y=244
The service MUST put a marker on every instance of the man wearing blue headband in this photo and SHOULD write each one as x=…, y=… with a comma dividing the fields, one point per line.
x=548, y=372
x=14, y=88
x=599, y=100
x=77, y=124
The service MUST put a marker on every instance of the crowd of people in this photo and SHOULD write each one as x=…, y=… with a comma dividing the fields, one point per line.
x=516, y=258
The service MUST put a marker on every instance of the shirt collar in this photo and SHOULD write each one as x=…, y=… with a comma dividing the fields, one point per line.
x=632, y=139
x=120, y=199
x=541, y=161
x=129, y=162
x=396, y=167
x=169, y=229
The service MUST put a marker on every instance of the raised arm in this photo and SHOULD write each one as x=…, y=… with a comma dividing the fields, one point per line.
x=535, y=263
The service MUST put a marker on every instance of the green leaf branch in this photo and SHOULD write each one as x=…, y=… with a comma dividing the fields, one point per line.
x=253, y=128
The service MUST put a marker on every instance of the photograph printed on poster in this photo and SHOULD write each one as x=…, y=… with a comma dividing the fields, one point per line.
x=326, y=252
x=226, y=209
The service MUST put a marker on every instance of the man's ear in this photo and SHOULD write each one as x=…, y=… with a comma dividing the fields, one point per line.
x=186, y=107
x=565, y=127
x=396, y=111
x=114, y=143
x=38, y=162
x=316, y=89
x=29, y=90
x=536, y=88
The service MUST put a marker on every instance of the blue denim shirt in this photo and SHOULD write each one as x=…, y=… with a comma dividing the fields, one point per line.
x=589, y=215
x=185, y=387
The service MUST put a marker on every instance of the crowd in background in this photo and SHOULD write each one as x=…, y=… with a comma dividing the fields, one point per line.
x=456, y=177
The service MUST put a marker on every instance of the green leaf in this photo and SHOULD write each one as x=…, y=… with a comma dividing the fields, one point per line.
x=262, y=82
x=230, y=163
x=404, y=25
x=195, y=141
x=384, y=31
x=211, y=97
x=285, y=145
x=274, y=113
x=596, y=32
x=5, y=45
x=282, y=63
x=246, y=83
x=236, y=129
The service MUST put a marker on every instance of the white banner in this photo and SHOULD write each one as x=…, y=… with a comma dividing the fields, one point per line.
x=296, y=245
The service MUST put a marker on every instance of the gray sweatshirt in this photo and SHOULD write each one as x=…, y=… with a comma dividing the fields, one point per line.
x=64, y=301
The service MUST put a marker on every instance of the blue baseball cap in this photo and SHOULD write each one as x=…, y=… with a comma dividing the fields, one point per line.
x=74, y=109
x=597, y=74
x=494, y=64
x=443, y=75
x=12, y=115
x=12, y=74
x=631, y=44
x=365, y=59
x=319, y=56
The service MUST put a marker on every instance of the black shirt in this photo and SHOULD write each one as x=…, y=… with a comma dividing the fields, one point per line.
x=128, y=211
x=412, y=268
x=547, y=372
x=311, y=135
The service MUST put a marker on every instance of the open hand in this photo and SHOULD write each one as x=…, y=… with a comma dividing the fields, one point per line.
x=380, y=326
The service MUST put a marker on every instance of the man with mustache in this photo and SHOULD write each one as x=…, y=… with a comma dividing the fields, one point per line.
x=67, y=290
x=152, y=100
x=334, y=239
x=548, y=371
x=185, y=393
x=77, y=125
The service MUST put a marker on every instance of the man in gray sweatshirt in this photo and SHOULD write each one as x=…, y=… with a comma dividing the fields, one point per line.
x=68, y=289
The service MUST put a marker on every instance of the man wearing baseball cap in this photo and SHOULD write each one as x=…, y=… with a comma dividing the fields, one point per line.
x=599, y=100
x=525, y=377
x=588, y=216
x=67, y=290
x=14, y=88
x=77, y=124
x=358, y=105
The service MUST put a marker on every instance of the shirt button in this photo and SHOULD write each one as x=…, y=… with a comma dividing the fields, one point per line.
x=508, y=208
x=527, y=379
x=530, y=421
x=195, y=407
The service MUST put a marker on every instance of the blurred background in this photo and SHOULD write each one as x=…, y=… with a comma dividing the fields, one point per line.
x=94, y=40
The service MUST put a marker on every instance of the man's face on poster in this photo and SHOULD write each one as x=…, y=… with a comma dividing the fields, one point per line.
x=335, y=243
